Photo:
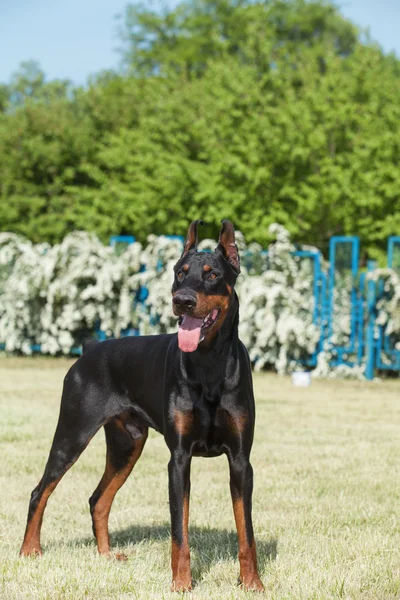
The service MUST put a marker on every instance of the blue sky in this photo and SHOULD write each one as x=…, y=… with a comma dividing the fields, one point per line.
x=75, y=38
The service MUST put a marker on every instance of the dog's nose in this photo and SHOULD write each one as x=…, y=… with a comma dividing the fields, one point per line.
x=184, y=300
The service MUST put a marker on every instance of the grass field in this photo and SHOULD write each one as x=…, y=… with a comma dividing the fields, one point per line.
x=326, y=499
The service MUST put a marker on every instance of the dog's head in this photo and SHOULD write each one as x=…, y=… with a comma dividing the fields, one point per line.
x=203, y=286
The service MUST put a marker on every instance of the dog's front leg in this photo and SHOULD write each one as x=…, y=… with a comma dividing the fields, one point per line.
x=241, y=484
x=179, y=492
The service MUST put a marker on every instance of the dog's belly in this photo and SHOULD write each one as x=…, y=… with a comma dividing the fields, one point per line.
x=207, y=448
x=207, y=453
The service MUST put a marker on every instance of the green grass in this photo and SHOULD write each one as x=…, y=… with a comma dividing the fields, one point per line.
x=326, y=499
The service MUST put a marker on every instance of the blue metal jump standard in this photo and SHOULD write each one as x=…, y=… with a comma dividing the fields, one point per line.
x=370, y=344
x=387, y=355
x=125, y=240
x=394, y=253
x=319, y=286
x=344, y=252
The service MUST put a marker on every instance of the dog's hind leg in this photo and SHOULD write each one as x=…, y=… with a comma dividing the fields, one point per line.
x=125, y=442
x=78, y=422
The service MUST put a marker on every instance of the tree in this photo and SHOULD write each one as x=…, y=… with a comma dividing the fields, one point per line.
x=254, y=111
x=44, y=137
x=185, y=39
x=306, y=151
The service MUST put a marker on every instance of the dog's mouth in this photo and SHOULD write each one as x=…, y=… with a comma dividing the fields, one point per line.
x=192, y=331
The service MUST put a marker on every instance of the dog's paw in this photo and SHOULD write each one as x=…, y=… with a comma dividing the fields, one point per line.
x=121, y=556
x=31, y=551
x=252, y=584
x=181, y=585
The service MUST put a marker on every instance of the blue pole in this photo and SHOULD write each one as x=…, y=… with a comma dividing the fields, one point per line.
x=392, y=242
x=370, y=337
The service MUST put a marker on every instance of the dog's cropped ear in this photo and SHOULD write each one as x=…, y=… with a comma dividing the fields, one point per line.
x=191, y=238
x=226, y=245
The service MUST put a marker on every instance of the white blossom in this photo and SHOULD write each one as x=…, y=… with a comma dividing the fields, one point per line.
x=57, y=295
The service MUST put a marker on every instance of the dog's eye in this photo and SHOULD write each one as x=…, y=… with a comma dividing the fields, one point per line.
x=212, y=276
x=180, y=275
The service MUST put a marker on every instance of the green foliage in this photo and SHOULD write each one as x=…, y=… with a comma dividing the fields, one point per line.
x=255, y=111
x=185, y=39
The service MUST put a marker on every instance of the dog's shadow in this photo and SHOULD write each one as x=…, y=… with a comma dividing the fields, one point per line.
x=208, y=545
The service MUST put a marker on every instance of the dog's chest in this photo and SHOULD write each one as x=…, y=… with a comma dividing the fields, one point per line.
x=209, y=431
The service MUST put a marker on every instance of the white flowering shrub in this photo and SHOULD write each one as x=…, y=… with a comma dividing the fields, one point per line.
x=341, y=301
x=340, y=334
x=55, y=296
x=277, y=307
x=388, y=305
x=387, y=283
x=325, y=370
x=159, y=257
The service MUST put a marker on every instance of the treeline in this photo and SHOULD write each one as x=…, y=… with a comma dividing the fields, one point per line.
x=259, y=112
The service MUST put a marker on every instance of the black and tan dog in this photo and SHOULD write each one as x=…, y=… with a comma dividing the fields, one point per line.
x=195, y=388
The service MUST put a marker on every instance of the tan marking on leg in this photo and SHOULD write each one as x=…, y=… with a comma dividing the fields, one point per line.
x=180, y=555
x=109, y=485
x=183, y=421
x=31, y=543
x=237, y=423
x=249, y=577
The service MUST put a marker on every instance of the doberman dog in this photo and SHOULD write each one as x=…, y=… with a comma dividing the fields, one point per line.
x=194, y=387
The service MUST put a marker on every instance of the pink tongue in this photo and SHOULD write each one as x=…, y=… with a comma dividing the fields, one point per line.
x=189, y=333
